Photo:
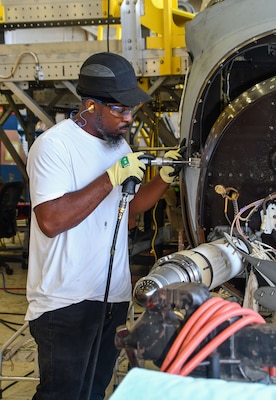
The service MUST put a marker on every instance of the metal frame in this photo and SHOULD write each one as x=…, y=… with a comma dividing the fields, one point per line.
x=41, y=74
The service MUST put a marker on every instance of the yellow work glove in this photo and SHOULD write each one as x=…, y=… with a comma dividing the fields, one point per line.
x=168, y=173
x=128, y=167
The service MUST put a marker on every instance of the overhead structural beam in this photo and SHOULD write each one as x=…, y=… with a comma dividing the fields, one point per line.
x=16, y=111
x=71, y=88
x=15, y=156
x=5, y=115
x=147, y=116
x=156, y=85
x=30, y=103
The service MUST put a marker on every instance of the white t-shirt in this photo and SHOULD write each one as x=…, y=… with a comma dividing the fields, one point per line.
x=73, y=266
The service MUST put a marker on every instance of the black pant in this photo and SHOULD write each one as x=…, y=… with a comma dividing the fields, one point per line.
x=66, y=345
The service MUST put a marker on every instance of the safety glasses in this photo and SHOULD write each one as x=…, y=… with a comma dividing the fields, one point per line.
x=117, y=111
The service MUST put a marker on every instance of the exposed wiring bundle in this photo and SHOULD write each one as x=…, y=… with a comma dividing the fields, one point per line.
x=180, y=359
x=261, y=250
x=253, y=208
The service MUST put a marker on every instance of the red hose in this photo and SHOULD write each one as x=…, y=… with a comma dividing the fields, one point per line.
x=218, y=340
x=188, y=348
x=209, y=315
x=205, y=319
x=187, y=327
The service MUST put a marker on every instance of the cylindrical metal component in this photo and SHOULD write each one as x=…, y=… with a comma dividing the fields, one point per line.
x=162, y=161
x=210, y=263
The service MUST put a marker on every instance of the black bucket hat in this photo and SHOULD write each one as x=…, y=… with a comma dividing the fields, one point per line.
x=108, y=75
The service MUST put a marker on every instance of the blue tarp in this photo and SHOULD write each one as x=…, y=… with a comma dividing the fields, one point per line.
x=143, y=384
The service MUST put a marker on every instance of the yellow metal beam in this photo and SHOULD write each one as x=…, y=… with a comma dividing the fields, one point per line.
x=114, y=8
x=101, y=30
x=2, y=14
x=167, y=30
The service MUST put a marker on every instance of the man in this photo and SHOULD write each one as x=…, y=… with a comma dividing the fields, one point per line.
x=76, y=170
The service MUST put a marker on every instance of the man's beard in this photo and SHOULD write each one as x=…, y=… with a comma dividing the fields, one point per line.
x=113, y=141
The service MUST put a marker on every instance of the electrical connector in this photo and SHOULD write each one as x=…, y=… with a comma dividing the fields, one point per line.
x=39, y=75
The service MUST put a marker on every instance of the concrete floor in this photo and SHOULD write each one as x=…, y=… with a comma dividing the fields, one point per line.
x=23, y=365
x=13, y=306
